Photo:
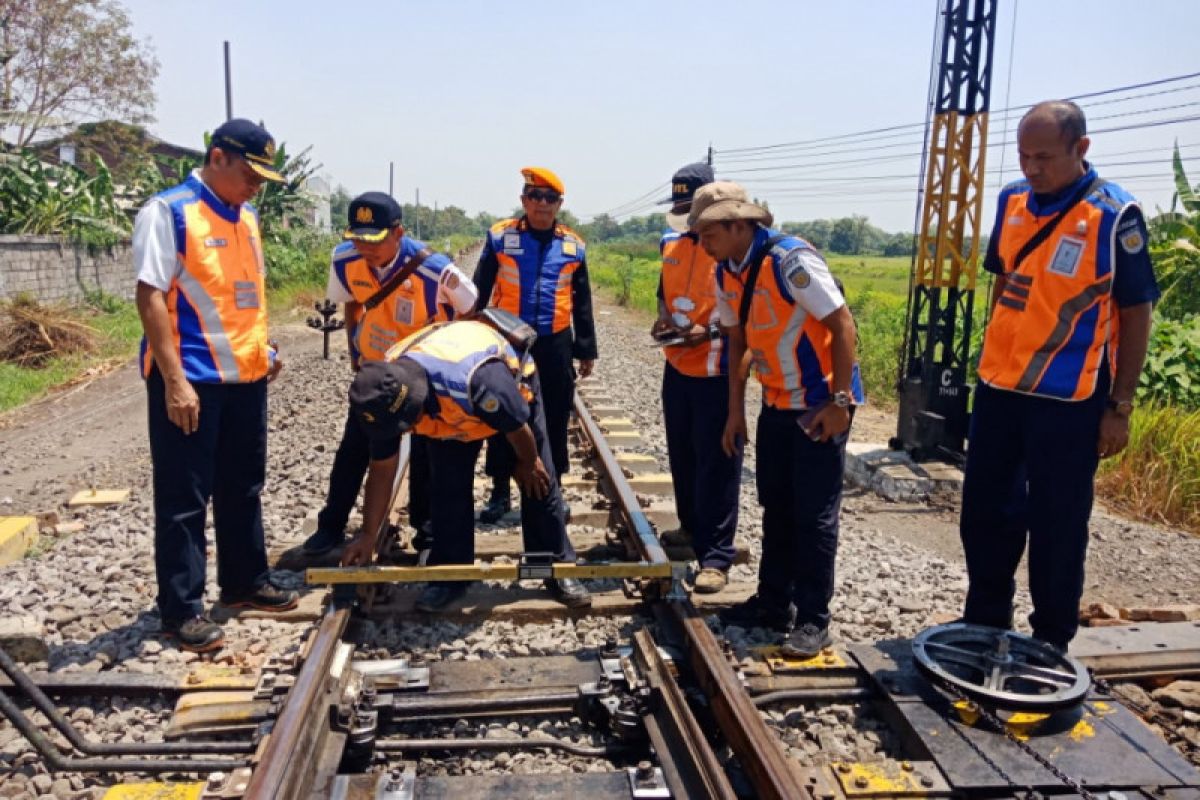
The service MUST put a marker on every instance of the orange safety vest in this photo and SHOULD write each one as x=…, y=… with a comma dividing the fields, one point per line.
x=450, y=353
x=217, y=305
x=408, y=308
x=689, y=287
x=1051, y=325
x=535, y=282
x=792, y=352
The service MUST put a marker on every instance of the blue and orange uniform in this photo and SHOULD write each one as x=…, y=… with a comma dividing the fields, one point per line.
x=799, y=480
x=478, y=386
x=1049, y=355
x=541, y=276
x=207, y=257
x=695, y=398
x=435, y=292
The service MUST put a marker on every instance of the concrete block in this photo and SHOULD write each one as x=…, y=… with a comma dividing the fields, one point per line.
x=894, y=475
x=623, y=439
x=652, y=483
x=17, y=535
x=615, y=424
x=21, y=637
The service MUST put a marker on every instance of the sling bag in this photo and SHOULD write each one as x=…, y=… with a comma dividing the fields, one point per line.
x=393, y=283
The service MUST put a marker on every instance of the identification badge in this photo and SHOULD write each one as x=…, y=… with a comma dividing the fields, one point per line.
x=569, y=248
x=512, y=242
x=245, y=294
x=1067, y=256
x=404, y=310
x=212, y=241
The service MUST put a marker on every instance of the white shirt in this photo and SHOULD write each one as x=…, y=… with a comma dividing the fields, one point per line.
x=155, y=251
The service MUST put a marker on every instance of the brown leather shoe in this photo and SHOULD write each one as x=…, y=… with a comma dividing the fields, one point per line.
x=711, y=580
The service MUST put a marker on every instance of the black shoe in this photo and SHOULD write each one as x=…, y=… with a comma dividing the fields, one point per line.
x=437, y=596
x=196, y=635
x=807, y=641
x=569, y=591
x=756, y=613
x=322, y=542
x=497, y=506
x=423, y=538
x=263, y=598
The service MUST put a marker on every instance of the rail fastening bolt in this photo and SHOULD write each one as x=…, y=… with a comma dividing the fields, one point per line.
x=645, y=771
x=860, y=782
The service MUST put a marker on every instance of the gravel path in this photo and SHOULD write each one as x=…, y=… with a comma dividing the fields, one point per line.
x=899, y=567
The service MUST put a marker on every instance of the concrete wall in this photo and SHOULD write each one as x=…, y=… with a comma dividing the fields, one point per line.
x=52, y=270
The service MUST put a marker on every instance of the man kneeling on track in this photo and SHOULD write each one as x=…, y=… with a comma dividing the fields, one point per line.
x=458, y=383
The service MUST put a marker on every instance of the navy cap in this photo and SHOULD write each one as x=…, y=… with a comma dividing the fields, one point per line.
x=251, y=142
x=387, y=396
x=371, y=215
x=684, y=184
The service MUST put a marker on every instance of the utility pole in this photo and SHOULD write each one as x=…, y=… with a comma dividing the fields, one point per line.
x=228, y=86
x=710, y=154
x=391, y=178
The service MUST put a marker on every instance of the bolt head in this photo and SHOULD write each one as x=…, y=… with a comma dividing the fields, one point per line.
x=860, y=782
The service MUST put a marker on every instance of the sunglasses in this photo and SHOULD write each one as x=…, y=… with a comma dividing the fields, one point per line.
x=540, y=195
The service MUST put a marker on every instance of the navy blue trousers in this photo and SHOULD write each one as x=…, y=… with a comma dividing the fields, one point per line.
x=706, y=480
x=556, y=374
x=1030, y=467
x=350, y=467
x=225, y=459
x=800, y=490
x=452, y=479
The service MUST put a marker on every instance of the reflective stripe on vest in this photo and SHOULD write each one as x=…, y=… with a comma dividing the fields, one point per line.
x=791, y=351
x=532, y=282
x=1052, y=322
x=216, y=304
x=689, y=287
x=408, y=308
x=450, y=353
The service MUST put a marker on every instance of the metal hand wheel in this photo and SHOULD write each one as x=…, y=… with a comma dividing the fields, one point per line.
x=1000, y=668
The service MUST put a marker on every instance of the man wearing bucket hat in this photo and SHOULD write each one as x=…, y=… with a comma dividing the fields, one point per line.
x=207, y=361
x=695, y=391
x=391, y=285
x=458, y=383
x=785, y=317
x=536, y=268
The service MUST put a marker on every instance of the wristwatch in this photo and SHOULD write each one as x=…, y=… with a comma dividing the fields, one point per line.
x=1123, y=408
x=842, y=399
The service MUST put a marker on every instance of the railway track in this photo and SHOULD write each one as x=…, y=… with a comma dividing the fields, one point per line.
x=666, y=711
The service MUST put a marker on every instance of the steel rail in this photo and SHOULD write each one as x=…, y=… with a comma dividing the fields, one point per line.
x=756, y=747
x=290, y=752
x=647, y=544
x=689, y=765
x=483, y=571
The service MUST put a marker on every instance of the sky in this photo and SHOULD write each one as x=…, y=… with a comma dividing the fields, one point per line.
x=614, y=96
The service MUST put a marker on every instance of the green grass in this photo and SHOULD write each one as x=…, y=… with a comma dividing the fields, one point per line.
x=118, y=332
x=885, y=275
x=1157, y=476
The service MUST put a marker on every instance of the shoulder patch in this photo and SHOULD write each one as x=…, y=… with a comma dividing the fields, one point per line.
x=1132, y=241
x=489, y=403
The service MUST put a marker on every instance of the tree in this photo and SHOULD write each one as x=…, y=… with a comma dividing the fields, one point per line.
x=339, y=206
x=848, y=235
x=73, y=59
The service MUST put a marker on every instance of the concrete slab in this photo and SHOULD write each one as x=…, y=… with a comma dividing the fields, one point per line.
x=895, y=476
x=17, y=535
x=98, y=497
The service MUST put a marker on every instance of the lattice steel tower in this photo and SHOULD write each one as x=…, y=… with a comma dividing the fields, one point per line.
x=937, y=346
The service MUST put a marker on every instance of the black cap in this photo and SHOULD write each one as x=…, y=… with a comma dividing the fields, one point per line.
x=686, y=181
x=387, y=396
x=251, y=142
x=371, y=215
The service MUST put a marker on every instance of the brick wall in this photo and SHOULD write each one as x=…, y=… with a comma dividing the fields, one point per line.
x=52, y=270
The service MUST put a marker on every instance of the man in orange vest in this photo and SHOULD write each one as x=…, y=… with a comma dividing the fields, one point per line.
x=695, y=391
x=207, y=361
x=536, y=268
x=456, y=384
x=391, y=285
x=1071, y=310
x=785, y=317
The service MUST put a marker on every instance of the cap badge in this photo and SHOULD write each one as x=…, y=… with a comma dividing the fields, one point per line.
x=364, y=215
x=680, y=188
x=399, y=401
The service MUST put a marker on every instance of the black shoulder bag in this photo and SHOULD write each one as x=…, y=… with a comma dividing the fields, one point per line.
x=393, y=283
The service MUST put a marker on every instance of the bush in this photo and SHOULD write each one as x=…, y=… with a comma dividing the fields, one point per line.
x=1157, y=476
x=880, y=322
x=298, y=257
x=1172, y=371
